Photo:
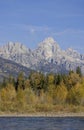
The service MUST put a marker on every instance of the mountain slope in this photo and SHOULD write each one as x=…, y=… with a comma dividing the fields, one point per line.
x=8, y=68
x=48, y=57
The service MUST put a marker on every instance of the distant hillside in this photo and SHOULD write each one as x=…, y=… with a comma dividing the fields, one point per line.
x=8, y=68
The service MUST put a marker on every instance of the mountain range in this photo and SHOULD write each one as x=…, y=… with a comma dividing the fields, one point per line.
x=47, y=57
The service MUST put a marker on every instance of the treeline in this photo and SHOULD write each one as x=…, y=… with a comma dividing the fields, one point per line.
x=41, y=93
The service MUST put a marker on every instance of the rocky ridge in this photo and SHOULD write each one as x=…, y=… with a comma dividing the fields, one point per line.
x=48, y=57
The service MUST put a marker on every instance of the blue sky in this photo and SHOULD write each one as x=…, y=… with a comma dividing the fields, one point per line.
x=31, y=21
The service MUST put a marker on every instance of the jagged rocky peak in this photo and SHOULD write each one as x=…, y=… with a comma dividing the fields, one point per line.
x=70, y=50
x=47, y=48
x=49, y=40
x=48, y=57
x=73, y=53
x=14, y=47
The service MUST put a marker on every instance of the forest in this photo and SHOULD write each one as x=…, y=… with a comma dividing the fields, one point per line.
x=43, y=93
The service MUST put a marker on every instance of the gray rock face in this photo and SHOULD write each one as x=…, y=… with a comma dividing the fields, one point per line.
x=48, y=57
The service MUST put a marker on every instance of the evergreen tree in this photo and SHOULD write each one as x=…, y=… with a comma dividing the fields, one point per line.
x=58, y=79
x=20, y=82
x=78, y=71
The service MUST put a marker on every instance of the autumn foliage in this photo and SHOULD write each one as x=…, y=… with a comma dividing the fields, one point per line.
x=40, y=92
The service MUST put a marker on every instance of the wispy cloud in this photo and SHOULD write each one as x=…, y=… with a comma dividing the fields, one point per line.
x=34, y=29
x=24, y=27
x=72, y=31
